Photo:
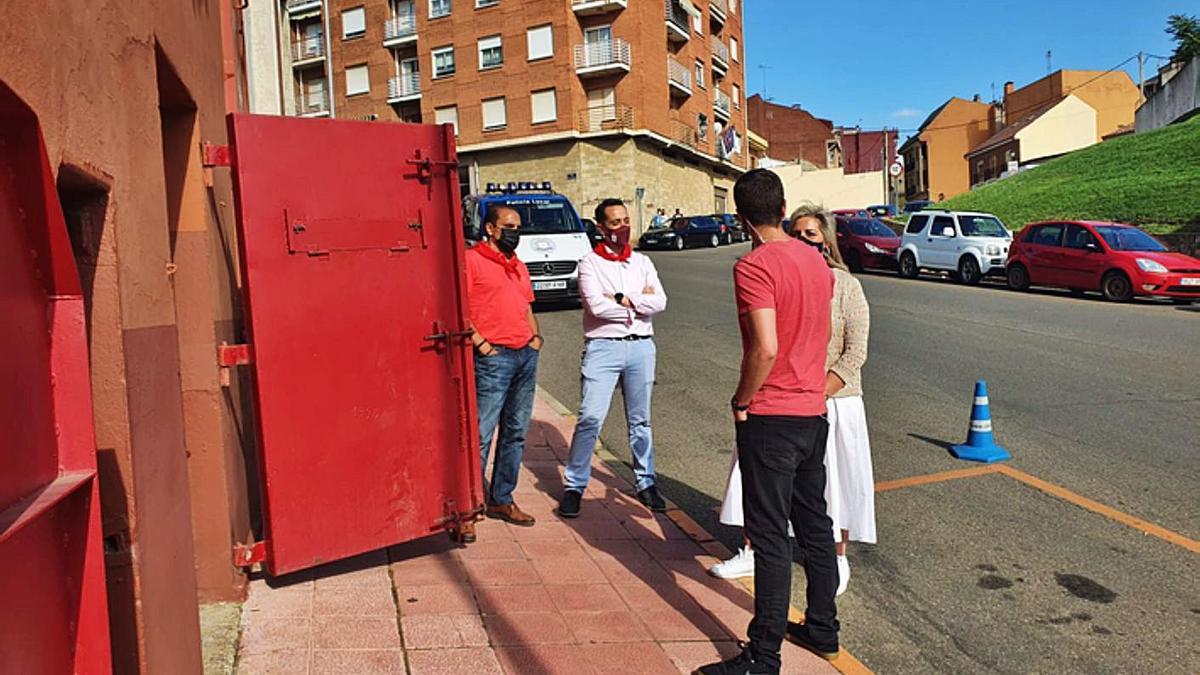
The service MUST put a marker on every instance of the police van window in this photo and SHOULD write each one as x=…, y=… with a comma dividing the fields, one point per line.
x=916, y=224
x=545, y=217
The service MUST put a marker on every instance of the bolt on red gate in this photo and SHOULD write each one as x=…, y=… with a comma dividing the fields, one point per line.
x=352, y=257
x=53, y=613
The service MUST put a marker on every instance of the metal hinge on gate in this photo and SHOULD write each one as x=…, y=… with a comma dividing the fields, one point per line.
x=245, y=555
x=233, y=355
x=213, y=155
x=425, y=165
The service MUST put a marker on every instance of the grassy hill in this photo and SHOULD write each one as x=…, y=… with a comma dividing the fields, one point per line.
x=1150, y=179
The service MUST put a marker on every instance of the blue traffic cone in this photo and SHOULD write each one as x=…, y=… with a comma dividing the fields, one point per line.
x=980, y=446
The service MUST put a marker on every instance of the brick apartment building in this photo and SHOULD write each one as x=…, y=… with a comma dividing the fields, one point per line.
x=640, y=100
x=793, y=134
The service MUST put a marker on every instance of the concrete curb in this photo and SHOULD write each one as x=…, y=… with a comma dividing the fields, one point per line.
x=845, y=663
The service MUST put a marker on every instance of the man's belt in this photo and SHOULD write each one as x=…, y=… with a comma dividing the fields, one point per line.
x=627, y=338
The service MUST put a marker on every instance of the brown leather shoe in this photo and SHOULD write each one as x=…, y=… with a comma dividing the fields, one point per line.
x=510, y=513
x=465, y=532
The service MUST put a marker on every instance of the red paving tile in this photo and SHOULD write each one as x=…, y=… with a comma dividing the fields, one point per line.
x=511, y=599
x=262, y=634
x=492, y=550
x=436, y=599
x=686, y=624
x=543, y=550
x=598, y=530
x=279, y=602
x=287, y=662
x=501, y=573
x=644, y=658
x=353, y=601
x=527, y=629
x=569, y=570
x=688, y=656
x=618, y=626
x=545, y=530
x=436, y=631
x=623, y=570
x=473, y=661
x=585, y=598
x=348, y=632
x=544, y=660
x=358, y=661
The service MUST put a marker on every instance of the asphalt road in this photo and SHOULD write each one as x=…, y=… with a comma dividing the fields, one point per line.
x=981, y=574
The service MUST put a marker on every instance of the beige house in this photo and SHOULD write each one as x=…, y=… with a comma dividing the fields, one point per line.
x=1047, y=131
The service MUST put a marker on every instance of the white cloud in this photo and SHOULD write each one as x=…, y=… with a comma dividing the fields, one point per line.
x=906, y=113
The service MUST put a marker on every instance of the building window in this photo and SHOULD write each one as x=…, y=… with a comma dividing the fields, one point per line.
x=443, y=62
x=491, y=53
x=447, y=115
x=732, y=6
x=545, y=106
x=479, y=4
x=438, y=8
x=700, y=74
x=733, y=47
x=358, y=80
x=737, y=97
x=698, y=22
x=540, y=41
x=495, y=115
x=354, y=23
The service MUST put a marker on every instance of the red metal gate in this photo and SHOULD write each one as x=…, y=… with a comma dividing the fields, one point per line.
x=53, y=614
x=352, y=259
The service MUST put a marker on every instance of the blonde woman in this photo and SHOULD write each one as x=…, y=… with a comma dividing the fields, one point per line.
x=850, y=483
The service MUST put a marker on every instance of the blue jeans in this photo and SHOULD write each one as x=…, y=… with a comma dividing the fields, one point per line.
x=504, y=388
x=604, y=362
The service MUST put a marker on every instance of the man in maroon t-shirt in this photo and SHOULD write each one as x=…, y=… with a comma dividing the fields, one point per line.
x=783, y=290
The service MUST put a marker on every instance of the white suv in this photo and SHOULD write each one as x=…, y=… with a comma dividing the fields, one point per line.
x=968, y=245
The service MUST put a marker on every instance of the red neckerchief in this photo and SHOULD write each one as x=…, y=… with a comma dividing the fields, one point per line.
x=603, y=251
x=509, y=263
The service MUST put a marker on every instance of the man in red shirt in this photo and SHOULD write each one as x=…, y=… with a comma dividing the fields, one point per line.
x=507, y=341
x=783, y=289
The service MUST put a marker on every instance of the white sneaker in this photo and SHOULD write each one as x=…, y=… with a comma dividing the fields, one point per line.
x=843, y=565
x=740, y=565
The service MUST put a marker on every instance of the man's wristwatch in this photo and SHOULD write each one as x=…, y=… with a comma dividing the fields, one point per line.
x=620, y=298
x=737, y=407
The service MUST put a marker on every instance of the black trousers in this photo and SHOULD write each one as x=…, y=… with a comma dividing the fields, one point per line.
x=783, y=479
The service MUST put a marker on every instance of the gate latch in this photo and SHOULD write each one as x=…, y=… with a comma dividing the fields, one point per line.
x=233, y=355
x=245, y=555
x=425, y=166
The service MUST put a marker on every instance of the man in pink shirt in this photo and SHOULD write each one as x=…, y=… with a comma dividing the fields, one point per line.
x=783, y=289
x=621, y=294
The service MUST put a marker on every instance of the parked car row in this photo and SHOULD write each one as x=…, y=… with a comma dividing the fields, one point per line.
x=687, y=231
x=1119, y=261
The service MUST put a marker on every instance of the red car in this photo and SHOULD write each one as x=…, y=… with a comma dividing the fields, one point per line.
x=1118, y=260
x=866, y=243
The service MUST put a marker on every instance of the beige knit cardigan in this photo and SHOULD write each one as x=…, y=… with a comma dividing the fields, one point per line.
x=849, y=326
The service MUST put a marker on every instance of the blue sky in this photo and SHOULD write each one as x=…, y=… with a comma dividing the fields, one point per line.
x=880, y=63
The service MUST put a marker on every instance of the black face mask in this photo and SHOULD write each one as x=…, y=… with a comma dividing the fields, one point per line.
x=508, y=240
x=817, y=245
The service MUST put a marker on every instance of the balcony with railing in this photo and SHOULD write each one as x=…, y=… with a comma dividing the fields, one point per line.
x=722, y=105
x=679, y=77
x=591, y=7
x=718, y=11
x=298, y=6
x=610, y=117
x=679, y=22
x=602, y=58
x=308, y=50
x=720, y=56
x=312, y=102
x=400, y=30
x=405, y=87
x=683, y=133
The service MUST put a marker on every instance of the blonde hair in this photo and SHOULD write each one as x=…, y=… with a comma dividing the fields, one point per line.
x=833, y=257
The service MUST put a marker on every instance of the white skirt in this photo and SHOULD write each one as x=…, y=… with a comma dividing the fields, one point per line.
x=849, y=479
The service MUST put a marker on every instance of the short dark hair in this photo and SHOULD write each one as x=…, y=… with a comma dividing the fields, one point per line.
x=492, y=216
x=758, y=195
x=602, y=208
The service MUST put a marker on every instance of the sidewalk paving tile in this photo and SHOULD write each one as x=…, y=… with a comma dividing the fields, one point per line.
x=619, y=589
x=363, y=661
x=471, y=661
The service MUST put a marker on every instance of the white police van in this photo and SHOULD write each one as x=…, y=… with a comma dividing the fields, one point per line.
x=553, y=238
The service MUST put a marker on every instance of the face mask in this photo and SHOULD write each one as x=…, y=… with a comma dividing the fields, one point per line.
x=756, y=239
x=508, y=240
x=617, y=239
x=820, y=246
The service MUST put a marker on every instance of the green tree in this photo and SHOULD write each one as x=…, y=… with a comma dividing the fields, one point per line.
x=1185, y=31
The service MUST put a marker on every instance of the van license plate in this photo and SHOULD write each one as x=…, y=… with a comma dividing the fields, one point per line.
x=549, y=285
x=1191, y=281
